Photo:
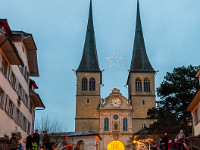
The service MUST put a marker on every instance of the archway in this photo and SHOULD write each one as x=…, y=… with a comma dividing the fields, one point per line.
x=115, y=145
x=81, y=144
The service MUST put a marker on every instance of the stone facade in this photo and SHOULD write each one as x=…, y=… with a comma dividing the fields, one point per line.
x=115, y=114
x=87, y=114
x=115, y=117
x=141, y=100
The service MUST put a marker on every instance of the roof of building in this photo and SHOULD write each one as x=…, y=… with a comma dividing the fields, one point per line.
x=77, y=133
x=89, y=61
x=7, y=45
x=195, y=101
x=36, y=99
x=31, y=50
x=198, y=73
x=140, y=61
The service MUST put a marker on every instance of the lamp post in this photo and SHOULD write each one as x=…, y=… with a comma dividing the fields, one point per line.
x=149, y=141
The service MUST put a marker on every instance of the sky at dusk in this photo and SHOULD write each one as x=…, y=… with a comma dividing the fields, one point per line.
x=171, y=31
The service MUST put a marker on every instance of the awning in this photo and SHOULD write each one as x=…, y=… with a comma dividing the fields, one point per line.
x=9, y=50
x=195, y=101
x=36, y=99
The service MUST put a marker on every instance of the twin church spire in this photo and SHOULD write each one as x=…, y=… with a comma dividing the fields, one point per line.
x=89, y=61
x=140, y=61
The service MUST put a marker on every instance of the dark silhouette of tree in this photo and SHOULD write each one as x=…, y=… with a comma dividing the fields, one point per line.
x=175, y=92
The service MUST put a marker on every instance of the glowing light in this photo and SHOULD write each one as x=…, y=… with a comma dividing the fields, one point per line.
x=115, y=145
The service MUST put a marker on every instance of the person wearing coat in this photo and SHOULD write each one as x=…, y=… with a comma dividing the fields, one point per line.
x=29, y=142
x=14, y=142
x=36, y=137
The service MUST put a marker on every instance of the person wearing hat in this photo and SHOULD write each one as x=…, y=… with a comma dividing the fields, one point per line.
x=181, y=134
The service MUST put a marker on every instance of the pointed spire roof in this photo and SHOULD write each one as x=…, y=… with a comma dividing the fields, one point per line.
x=89, y=61
x=140, y=61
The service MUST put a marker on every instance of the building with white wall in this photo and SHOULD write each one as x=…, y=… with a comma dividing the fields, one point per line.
x=194, y=108
x=18, y=99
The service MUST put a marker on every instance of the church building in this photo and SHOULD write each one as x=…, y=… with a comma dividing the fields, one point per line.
x=114, y=117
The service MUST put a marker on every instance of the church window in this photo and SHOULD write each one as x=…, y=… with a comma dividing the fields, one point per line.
x=143, y=102
x=138, y=85
x=92, y=84
x=115, y=117
x=146, y=85
x=125, y=124
x=106, y=124
x=84, y=84
x=88, y=101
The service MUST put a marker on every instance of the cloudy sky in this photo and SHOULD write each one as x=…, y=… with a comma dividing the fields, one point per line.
x=171, y=31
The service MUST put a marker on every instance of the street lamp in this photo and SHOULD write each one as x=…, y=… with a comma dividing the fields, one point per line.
x=149, y=141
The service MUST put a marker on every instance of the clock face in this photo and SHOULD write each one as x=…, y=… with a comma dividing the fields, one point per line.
x=116, y=102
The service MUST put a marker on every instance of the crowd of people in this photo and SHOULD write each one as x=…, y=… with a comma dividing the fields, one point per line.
x=33, y=142
x=179, y=143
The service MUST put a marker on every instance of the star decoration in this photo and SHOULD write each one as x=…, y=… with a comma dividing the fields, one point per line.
x=114, y=60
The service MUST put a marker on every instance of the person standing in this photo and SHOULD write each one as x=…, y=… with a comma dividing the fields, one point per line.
x=182, y=135
x=36, y=137
x=20, y=147
x=77, y=147
x=170, y=145
x=164, y=141
x=46, y=140
x=14, y=142
x=29, y=142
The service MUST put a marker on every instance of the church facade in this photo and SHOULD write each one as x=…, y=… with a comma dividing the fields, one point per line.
x=115, y=117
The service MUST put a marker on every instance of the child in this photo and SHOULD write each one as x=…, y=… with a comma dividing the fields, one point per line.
x=20, y=147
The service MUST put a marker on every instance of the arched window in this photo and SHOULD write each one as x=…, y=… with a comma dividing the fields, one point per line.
x=106, y=124
x=92, y=84
x=146, y=85
x=138, y=85
x=125, y=124
x=143, y=102
x=84, y=84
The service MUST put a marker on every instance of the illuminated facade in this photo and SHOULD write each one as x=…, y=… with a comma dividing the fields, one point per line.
x=114, y=118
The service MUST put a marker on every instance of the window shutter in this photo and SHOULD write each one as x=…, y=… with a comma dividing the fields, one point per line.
x=9, y=73
x=14, y=112
x=0, y=61
x=20, y=119
x=4, y=101
x=29, y=103
x=1, y=98
x=7, y=105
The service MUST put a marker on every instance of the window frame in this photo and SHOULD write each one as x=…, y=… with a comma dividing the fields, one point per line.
x=106, y=124
x=92, y=84
x=84, y=84
x=125, y=124
x=138, y=85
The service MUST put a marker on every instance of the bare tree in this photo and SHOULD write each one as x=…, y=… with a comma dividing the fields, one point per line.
x=47, y=124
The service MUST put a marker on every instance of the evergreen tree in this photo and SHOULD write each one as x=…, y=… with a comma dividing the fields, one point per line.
x=175, y=92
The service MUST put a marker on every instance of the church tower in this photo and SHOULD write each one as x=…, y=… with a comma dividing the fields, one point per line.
x=141, y=80
x=89, y=78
